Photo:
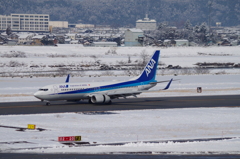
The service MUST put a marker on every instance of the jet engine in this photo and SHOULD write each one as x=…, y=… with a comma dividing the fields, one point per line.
x=101, y=98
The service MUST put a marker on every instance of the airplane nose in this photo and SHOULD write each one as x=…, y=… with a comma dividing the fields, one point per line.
x=37, y=95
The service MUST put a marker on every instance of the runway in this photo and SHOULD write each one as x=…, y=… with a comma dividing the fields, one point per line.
x=121, y=104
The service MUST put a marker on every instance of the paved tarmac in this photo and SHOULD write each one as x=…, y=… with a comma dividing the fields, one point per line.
x=121, y=104
x=144, y=155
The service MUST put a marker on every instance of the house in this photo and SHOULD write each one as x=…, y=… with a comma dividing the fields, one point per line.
x=225, y=42
x=12, y=42
x=13, y=36
x=23, y=38
x=234, y=43
x=74, y=42
x=67, y=41
x=167, y=42
x=37, y=39
x=3, y=40
x=60, y=38
x=72, y=36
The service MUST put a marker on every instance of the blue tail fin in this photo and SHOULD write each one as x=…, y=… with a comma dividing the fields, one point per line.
x=150, y=69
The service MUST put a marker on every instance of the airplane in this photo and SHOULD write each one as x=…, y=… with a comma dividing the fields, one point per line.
x=103, y=92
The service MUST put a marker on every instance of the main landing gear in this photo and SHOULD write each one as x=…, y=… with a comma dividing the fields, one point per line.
x=106, y=103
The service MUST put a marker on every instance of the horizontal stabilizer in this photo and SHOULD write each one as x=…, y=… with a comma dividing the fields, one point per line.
x=163, y=81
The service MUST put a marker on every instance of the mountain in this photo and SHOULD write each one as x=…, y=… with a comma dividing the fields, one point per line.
x=125, y=12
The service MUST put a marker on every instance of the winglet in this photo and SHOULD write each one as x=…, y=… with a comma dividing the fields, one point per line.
x=168, y=85
x=67, y=80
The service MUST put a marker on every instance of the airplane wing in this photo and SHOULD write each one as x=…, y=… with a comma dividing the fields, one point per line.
x=120, y=93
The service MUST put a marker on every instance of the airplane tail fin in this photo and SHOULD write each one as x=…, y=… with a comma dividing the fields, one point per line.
x=150, y=70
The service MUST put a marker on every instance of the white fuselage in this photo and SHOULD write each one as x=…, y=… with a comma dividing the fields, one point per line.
x=77, y=91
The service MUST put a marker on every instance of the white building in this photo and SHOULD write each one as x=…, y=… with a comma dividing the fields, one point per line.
x=182, y=42
x=84, y=26
x=146, y=24
x=25, y=22
x=58, y=24
x=105, y=44
x=133, y=37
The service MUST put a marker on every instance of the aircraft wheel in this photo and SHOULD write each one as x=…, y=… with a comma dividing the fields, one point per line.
x=89, y=101
x=110, y=102
x=48, y=103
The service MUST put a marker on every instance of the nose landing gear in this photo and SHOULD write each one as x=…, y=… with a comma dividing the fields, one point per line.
x=46, y=102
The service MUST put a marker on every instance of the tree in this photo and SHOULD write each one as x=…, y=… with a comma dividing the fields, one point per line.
x=46, y=41
x=203, y=28
x=9, y=30
x=144, y=57
x=188, y=25
x=201, y=32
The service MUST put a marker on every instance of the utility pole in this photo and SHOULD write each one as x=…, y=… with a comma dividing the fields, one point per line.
x=209, y=13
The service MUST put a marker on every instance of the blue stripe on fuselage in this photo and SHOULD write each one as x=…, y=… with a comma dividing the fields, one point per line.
x=109, y=87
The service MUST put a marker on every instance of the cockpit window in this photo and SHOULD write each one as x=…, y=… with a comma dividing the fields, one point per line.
x=43, y=89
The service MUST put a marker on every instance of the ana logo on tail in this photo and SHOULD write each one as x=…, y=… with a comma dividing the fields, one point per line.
x=150, y=66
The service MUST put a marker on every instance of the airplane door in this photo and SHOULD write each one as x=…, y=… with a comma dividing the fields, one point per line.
x=55, y=88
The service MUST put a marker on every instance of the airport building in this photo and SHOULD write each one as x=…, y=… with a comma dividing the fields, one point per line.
x=134, y=37
x=25, y=22
x=146, y=24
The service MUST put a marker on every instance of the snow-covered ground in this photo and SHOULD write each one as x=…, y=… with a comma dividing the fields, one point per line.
x=126, y=126
x=77, y=55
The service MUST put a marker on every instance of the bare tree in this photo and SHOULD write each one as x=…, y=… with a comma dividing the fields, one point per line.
x=144, y=57
x=199, y=70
